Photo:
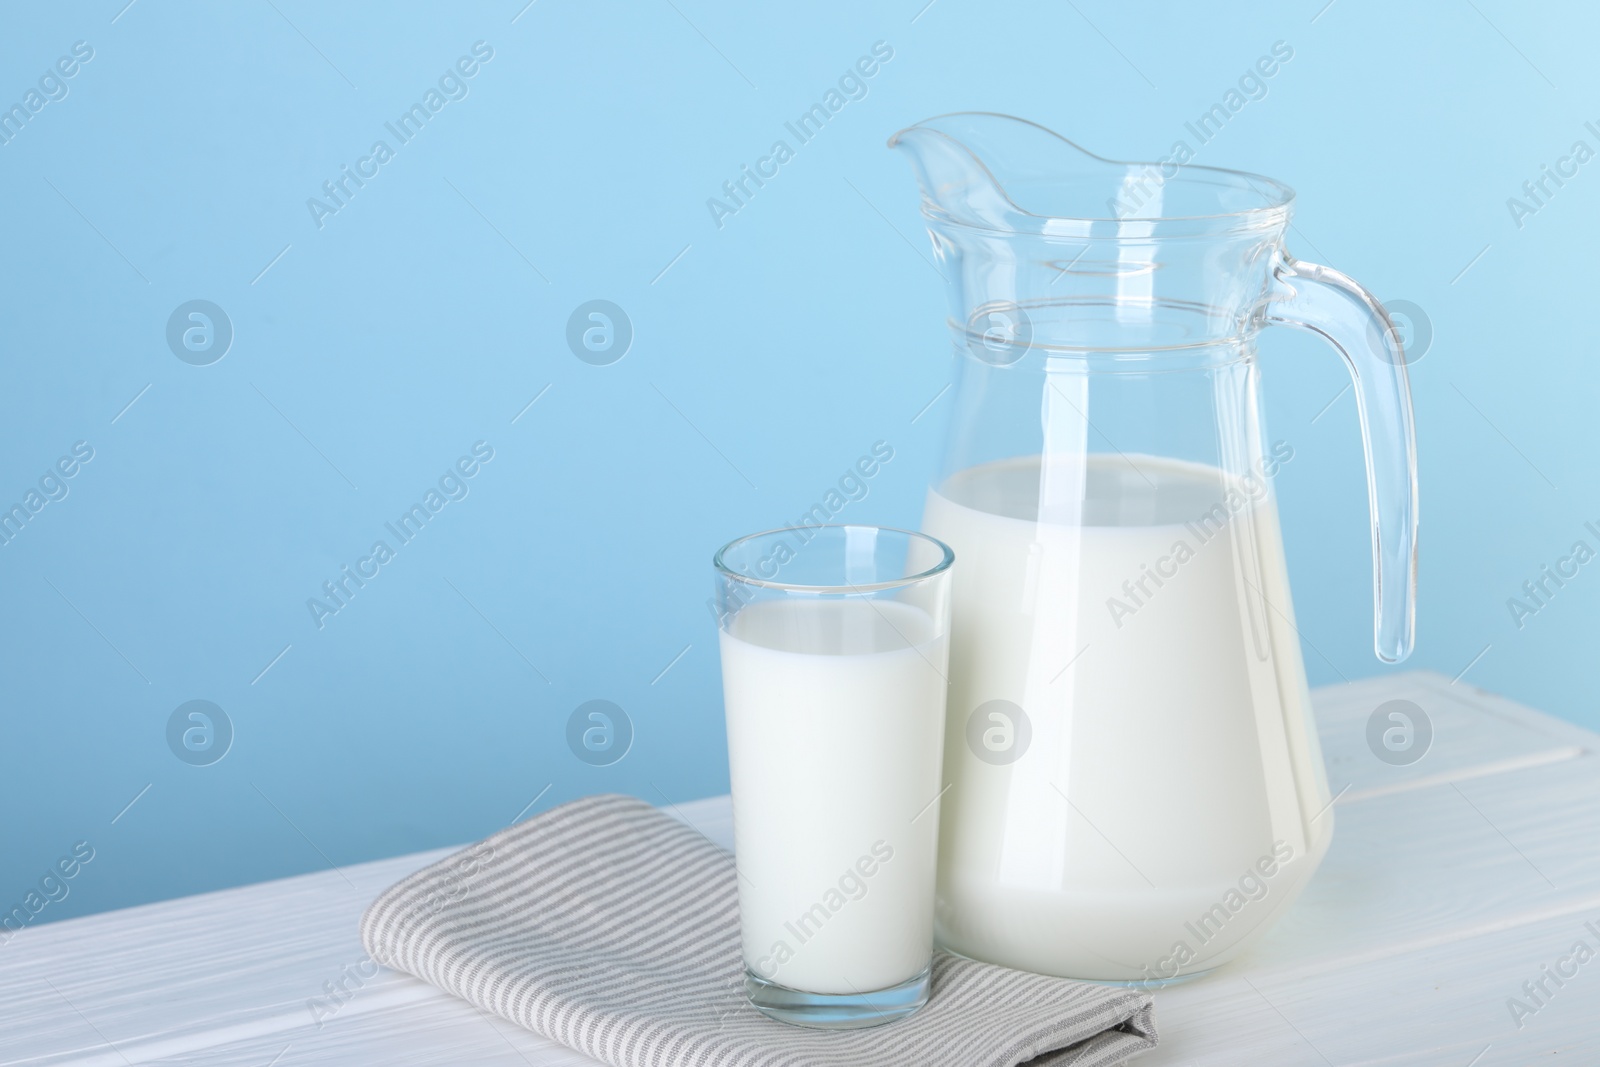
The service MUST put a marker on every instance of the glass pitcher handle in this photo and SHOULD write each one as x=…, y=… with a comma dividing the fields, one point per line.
x=1328, y=303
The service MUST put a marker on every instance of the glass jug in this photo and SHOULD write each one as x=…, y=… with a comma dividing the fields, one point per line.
x=1136, y=789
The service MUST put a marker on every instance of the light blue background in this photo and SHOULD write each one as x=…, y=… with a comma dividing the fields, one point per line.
x=775, y=351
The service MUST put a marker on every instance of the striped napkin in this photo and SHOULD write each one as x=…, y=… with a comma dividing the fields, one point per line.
x=613, y=928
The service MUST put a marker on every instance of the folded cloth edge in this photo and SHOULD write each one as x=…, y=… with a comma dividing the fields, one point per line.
x=452, y=877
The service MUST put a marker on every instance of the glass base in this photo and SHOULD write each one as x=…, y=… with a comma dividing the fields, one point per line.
x=837, y=1011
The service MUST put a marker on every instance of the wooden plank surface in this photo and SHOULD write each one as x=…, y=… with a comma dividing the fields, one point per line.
x=1450, y=883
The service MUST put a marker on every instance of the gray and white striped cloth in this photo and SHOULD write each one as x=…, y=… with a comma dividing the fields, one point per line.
x=613, y=928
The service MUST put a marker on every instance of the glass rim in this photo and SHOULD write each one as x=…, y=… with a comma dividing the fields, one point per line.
x=946, y=558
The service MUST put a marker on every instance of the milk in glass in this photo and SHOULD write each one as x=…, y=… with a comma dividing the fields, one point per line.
x=835, y=714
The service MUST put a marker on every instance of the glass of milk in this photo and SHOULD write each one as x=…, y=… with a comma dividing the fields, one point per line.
x=835, y=652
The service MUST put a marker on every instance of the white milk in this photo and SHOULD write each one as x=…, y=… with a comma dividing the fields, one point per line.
x=835, y=715
x=1180, y=733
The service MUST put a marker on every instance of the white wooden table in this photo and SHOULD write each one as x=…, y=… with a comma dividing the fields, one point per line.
x=1450, y=883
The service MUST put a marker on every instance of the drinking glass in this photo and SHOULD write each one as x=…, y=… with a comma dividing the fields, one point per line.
x=835, y=648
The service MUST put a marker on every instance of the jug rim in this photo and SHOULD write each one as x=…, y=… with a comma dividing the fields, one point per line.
x=1277, y=196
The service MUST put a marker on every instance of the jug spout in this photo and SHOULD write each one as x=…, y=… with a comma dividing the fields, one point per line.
x=1047, y=240
x=948, y=156
x=1006, y=174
